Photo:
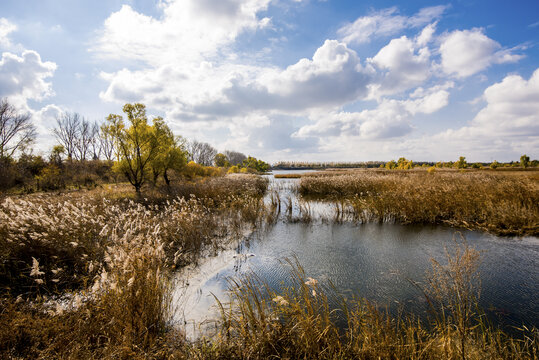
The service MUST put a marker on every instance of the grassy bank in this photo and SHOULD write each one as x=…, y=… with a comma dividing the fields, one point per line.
x=502, y=203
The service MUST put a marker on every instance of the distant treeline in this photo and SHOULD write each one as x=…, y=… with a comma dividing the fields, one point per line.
x=302, y=165
x=403, y=163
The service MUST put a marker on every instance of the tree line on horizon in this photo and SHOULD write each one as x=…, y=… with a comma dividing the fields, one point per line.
x=403, y=164
x=86, y=152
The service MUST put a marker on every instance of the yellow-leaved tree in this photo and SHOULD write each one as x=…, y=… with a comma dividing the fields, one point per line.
x=171, y=153
x=137, y=143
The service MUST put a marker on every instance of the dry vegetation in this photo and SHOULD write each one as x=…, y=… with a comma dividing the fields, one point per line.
x=88, y=274
x=502, y=203
x=299, y=323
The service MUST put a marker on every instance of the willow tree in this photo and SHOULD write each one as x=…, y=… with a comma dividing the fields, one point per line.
x=137, y=143
x=171, y=154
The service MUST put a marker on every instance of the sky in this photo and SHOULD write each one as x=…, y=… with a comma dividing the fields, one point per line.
x=295, y=80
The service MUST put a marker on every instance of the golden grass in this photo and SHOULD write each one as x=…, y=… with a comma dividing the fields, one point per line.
x=491, y=201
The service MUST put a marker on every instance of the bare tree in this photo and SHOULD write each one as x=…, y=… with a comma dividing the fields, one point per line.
x=106, y=143
x=234, y=157
x=84, y=138
x=16, y=130
x=67, y=131
x=95, y=142
x=202, y=153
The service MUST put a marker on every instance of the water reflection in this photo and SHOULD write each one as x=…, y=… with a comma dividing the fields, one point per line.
x=375, y=261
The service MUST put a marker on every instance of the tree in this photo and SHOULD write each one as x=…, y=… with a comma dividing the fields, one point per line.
x=234, y=157
x=66, y=132
x=56, y=154
x=221, y=160
x=524, y=161
x=390, y=165
x=255, y=164
x=170, y=155
x=16, y=130
x=461, y=163
x=137, y=143
x=202, y=153
x=106, y=142
x=84, y=138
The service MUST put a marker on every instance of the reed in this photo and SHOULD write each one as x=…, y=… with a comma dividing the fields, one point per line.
x=88, y=274
x=298, y=322
x=495, y=202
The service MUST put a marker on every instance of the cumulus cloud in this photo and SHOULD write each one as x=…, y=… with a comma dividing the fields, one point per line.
x=505, y=128
x=390, y=118
x=386, y=22
x=466, y=52
x=6, y=28
x=404, y=66
x=188, y=30
x=25, y=77
x=333, y=77
x=512, y=107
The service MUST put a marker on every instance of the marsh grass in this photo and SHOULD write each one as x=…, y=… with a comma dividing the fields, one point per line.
x=89, y=274
x=495, y=202
x=302, y=321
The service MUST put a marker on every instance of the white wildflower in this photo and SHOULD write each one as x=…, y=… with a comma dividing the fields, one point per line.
x=39, y=281
x=35, y=268
x=311, y=282
x=74, y=244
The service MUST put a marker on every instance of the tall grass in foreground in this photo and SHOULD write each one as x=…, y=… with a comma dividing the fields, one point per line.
x=298, y=322
x=498, y=203
x=88, y=275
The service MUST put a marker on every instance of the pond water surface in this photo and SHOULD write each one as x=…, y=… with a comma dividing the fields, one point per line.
x=374, y=261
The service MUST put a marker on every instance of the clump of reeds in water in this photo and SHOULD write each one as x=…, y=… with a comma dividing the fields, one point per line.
x=299, y=322
x=498, y=203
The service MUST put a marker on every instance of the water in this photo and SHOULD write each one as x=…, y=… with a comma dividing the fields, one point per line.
x=375, y=261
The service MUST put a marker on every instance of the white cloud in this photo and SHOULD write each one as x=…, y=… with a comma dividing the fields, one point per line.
x=189, y=72
x=504, y=129
x=404, y=66
x=25, y=77
x=6, y=28
x=512, y=107
x=386, y=22
x=188, y=30
x=333, y=77
x=389, y=119
x=45, y=120
x=466, y=52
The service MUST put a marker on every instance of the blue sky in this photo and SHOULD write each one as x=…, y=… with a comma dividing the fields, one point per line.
x=288, y=79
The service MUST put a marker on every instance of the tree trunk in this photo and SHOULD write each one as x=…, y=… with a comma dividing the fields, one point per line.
x=167, y=180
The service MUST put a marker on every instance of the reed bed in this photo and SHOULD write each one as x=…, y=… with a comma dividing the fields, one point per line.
x=287, y=176
x=498, y=203
x=298, y=322
x=88, y=274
